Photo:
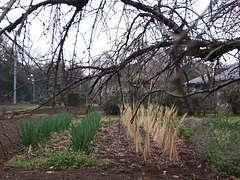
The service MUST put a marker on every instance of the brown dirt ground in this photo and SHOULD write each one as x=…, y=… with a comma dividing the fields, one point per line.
x=116, y=149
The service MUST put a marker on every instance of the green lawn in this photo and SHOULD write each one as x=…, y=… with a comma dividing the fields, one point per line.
x=15, y=107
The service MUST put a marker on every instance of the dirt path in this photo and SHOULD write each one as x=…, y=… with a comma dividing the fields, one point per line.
x=117, y=151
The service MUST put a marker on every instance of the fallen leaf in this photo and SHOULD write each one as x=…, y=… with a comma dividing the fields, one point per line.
x=49, y=172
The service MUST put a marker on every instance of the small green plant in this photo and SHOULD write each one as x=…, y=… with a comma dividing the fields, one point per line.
x=67, y=158
x=187, y=132
x=231, y=96
x=28, y=162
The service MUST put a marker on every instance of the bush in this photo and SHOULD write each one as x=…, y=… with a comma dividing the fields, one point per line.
x=195, y=102
x=231, y=96
x=43, y=99
x=110, y=107
x=76, y=99
x=73, y=99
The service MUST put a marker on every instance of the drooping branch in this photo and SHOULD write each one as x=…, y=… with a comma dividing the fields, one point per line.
x=76, y=3
x=5, y=11
x=171, y=24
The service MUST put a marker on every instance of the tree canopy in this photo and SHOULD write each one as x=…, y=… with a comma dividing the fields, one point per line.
x=154, y=43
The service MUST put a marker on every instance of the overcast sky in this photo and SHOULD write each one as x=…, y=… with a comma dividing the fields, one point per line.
x=40, y=43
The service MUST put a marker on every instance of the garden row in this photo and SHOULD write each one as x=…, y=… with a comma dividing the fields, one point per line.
x=32, y=133
x=161, y=123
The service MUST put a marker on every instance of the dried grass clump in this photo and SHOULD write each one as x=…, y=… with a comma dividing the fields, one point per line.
x=161, y=123
x=147, y=122
x=173, y=147
x=133, y=128
x=137, y=136
x=125, y=116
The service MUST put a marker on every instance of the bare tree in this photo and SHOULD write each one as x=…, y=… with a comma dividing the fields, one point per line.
x=161, y=37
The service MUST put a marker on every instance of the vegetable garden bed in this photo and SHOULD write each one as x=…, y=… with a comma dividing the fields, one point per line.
x=117, y=151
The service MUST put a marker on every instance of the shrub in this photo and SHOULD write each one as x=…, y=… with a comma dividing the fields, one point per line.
x=73, y=99
x=195, y=102
x=43, y=99
x=76, y=99
x=110, y=107
x=232, y=96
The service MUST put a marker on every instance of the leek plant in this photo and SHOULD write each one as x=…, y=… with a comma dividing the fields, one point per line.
x=61, y=121
x=46, y=127
x=29, y=133
x=33, y=132
x=83, y=132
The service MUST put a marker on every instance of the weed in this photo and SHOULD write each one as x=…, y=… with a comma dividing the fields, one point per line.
x=56, y=159
x=67, y=158
x=28, y=162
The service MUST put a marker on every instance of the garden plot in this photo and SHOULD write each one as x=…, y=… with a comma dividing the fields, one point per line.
x=120, y=161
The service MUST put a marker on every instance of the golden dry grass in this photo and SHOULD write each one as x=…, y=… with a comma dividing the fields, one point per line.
x=159, y=123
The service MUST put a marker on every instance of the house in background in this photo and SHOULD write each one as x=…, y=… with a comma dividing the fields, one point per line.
x=209, y=81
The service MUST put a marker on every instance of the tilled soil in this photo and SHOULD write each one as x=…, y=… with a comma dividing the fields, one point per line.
x=116, y=150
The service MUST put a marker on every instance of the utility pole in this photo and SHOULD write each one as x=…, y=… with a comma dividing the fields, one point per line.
x=15, y=78
x=33, y=87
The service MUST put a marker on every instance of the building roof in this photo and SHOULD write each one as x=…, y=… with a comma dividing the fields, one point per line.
x=231, y=72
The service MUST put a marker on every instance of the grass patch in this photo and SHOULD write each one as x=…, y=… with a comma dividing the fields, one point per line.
x=109, y=118
x=27, y=162
x=40, y=115
x=67, y=158
x=56, y=159
x=17, y=106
